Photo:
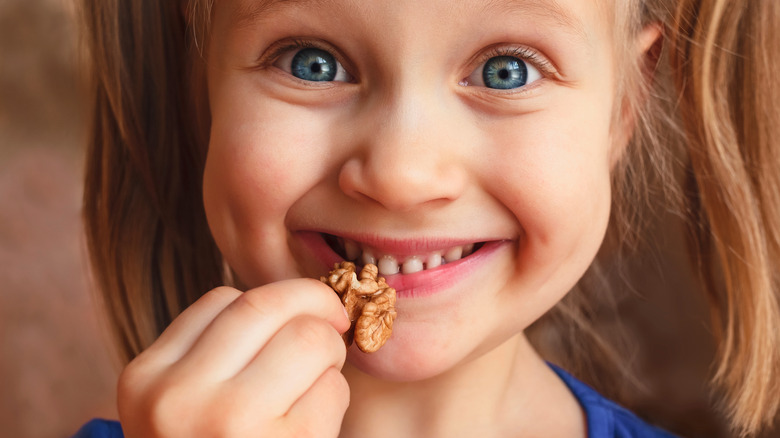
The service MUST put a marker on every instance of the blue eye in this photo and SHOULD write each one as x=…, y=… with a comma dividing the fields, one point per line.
x=313, y=64
x=504, y=73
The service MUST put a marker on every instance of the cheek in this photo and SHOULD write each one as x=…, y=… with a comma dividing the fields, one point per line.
x=261, y=160
x=554, y=177
x=555, y=172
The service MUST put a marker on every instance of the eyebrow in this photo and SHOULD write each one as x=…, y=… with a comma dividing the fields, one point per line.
x=246, y=13
x=549, y=9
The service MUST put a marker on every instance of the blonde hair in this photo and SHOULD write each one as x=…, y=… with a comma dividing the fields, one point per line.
x=724, y=59
x=707, y=130
x=706, y=122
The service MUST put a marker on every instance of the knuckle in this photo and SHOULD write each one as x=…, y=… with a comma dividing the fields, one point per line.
x=306, y=431
x=263, y=303
x=166, y=402
x=306, y=428
x=316, y=291
x=226, y=423
x=151, y=403
x=337, y=386
x=229, y=416
x=285, y=298
x=312, y=333
x=131, y=379
x=223, y=293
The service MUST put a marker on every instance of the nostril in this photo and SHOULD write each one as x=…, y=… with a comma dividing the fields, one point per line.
x=350, y=178
x=366, y=183
x=399, y=185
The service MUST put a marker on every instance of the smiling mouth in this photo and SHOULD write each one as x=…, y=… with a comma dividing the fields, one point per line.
x=390, y=264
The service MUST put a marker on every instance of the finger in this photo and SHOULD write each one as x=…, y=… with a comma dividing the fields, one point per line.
x=236, y=335
x=185, y=329
x=290, y=363
x=320, y=411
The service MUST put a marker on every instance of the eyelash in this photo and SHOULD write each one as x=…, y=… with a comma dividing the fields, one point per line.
x=526, y=54
x=279, y=49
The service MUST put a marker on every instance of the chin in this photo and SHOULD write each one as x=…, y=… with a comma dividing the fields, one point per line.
x=395, y=368
x=406, y=358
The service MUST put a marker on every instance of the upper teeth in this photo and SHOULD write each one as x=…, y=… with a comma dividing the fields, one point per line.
x=389, y=264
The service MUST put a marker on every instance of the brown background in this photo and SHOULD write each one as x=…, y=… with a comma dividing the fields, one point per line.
x=56, y=366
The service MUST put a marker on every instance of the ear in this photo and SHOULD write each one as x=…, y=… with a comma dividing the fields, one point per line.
x=647, y=51
x=648, y=47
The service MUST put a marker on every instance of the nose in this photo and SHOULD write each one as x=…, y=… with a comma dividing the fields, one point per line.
x=409, y=152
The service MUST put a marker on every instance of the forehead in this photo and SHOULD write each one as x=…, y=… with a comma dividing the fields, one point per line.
x=564, y=15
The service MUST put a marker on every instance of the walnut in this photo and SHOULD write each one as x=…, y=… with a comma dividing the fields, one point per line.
x=376, y=321
x=369, y=301
x=341, y=278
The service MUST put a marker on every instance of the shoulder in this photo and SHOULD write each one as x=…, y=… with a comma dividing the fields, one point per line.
x=98, y=428
x=607, y=419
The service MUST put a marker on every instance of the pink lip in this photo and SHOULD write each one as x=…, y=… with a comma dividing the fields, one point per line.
x=419, y=284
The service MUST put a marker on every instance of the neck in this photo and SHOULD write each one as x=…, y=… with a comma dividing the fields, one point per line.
x=508, y=391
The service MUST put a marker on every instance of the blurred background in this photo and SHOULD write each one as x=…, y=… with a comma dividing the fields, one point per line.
x=56, y=364
x=56, y=367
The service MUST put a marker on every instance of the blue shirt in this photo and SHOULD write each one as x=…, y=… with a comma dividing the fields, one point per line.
x=605, y=418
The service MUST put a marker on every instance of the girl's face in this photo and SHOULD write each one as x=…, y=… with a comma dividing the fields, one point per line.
x=465, y=146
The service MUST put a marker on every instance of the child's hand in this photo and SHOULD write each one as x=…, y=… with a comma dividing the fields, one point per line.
x=264, y=363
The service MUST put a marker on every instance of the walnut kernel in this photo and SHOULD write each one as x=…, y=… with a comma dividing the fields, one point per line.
x=369, y=301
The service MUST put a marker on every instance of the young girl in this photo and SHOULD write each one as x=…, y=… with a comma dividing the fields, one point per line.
x=479, y=151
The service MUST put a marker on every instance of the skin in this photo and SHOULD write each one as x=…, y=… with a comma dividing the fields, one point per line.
x=410, y=148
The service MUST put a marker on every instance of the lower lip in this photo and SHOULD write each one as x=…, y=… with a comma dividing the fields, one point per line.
x=420, y=284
